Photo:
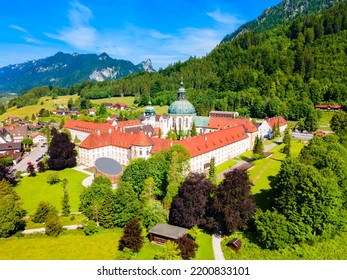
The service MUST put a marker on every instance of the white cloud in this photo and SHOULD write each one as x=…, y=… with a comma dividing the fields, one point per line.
x=224, y=18
x=32, y=40
x=80, y=34
x=158, y=35
x=13, y=26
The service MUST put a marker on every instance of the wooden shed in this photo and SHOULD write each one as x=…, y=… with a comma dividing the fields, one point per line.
x=161, y=233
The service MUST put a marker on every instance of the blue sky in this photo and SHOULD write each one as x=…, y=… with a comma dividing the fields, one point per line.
x=164, y=31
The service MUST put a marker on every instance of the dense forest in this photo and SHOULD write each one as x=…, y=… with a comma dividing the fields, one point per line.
x=283, y=71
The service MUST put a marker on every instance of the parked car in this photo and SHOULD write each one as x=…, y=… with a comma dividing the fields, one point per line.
x=29, y=162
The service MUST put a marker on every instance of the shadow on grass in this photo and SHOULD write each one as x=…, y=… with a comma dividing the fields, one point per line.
x=265, y=197
x=248, y=159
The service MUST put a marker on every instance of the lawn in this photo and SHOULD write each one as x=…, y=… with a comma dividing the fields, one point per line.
x=129, y=100
x=332, y=249
x=72, y=219
x=32, y=190
x=70, y=245
x=266, y=169
x=205, y=250
x=225, y=165
x=325, y=117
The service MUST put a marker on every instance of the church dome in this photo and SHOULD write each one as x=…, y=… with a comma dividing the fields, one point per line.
x=181, y=106
x=149, y=111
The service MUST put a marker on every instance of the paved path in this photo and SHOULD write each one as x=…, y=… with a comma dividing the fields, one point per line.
x=216, y=245
x=87, y=181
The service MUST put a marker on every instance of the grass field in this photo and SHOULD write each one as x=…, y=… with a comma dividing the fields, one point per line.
x=205, y=250
x=32, y=190
x=266, y=169
x=332, y=249
x=70, y=245
x=225, y=165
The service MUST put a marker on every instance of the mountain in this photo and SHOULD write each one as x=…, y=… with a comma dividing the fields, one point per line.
x=63, y=69
x=286, y=10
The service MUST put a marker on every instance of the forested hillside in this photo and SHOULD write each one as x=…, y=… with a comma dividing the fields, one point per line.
x=283, y=71
x=279, y=14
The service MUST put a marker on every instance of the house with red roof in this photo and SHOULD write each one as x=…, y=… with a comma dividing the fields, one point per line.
x=120, y=106
x=267, y=126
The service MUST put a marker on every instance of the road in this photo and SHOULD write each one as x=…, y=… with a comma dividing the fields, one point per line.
x=34, y=154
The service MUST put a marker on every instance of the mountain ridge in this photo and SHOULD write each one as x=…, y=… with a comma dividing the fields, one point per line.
x=279, y=14
x=65, y=69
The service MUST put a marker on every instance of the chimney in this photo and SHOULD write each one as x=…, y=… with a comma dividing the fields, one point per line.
x=109, y=130
x=205, y=138
x=98, y=132
x=171, y=144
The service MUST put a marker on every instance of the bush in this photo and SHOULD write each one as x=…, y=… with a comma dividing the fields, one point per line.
x=53, y=178
x=187, y=247
x=41, y=212
x=90, y=228
x=52, y=223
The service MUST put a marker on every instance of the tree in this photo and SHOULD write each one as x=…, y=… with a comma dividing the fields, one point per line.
x=27, y=142
x=132, y=236
x=287, y=143
x=62, y=122
x=191, y=205
x=65, y=203
x=303, y=195
x=136, y=173
x=273, y=230
x=53, y=224
x=152, y=214
x=102, y=111
x=311, y=119
x=53, y=178
x=92, y=198
x=233, y=202
x=212, y=170
x=70, y=103
x=187, y=246
x=5, y=173
x=126, y=205
x=258, y=148
x=193, y=132
x=169, y=251
x=61, y=152
x=147, y=195
x=42, y=211
x=41, y=166
x=106, y=210
x=11, y=211
x=175, y=177
x=33, y=117
x=338, y=123
x=31, y=170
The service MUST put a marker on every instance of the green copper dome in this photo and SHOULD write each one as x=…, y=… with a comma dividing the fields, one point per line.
x=181, y=106
x=149, y=111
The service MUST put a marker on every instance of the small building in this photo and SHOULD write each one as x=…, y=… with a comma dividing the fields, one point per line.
x=235, y=244
x=265, y=129
x=161, y=233
x=92, y=111
x=38, y=138
x=328, y=107
x=224, y=114
x=108, y=168
x=120, y=106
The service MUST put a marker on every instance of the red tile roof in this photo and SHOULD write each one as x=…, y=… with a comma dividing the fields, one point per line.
x=328, y=106
x=121, y=124
x=204, y=143
x=275, y=120
x=116, y=138
x=87, y=126
x=141, y=139
x=222, y=123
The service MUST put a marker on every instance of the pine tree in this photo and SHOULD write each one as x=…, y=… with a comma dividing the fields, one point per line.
x=65, y=200
x=286, y=141
x=193, y=132
x=212, y=170
x=258, y=148
x=106, y=211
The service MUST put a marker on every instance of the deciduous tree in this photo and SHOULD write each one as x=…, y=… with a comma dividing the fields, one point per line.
x=233, y=202
x=132, y=236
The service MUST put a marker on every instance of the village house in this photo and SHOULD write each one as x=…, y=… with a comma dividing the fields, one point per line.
x=266, y=127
